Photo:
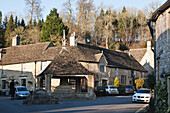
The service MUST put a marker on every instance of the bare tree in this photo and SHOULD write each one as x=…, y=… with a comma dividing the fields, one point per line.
x=33, y=8
x=85, y=17
x=67, y=15
x=151, y=8
x=105, y=25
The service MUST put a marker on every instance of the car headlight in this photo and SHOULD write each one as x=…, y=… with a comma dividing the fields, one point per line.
x=19, y=94
x=134, y=96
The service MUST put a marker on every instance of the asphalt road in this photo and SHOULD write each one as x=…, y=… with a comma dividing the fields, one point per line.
x=107, y=104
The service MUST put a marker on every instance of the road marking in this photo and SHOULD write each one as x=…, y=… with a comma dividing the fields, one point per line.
x=141, y=108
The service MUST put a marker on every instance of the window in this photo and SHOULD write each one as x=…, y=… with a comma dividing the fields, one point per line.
x=101, y=68
x=23, y=82
x=3, y=72
x=3, y=84
x=123, y=79
x=83, y=85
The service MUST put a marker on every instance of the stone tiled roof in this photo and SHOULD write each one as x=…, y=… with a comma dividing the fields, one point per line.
x=26, y=53
x=81, y=52
x=65, y=63
x=115, y=58
x=138, y=54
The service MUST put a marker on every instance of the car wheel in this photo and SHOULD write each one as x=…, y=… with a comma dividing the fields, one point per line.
x=107, y=93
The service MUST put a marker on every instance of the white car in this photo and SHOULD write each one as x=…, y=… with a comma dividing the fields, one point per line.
x=21, y=92
x=142, y=95
x=111, y=89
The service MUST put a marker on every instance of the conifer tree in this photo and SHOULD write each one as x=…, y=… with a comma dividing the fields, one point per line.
x=16, y=22
x=10, y=28
x=2, y=41
x=23, y=23
x=35, y=22
x=5, y=23
x=0, y=18
x=53, y=27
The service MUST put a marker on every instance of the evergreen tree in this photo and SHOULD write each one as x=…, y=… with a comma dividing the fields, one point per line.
x=30, y=24
x=23, y=23
x=35, y=22
x=40, y=23
x=5, y=23
x=2, y=41
x=53, y=27
x=0, y=18
x=10, y=28
x=16, y=22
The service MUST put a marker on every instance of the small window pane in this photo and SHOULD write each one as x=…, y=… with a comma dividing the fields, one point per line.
x=101, y=68
x=3, y=84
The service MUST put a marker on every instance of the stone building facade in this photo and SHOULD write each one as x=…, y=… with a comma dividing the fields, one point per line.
x=160, y=30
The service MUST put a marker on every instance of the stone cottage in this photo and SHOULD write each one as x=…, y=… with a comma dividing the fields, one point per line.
x=160, y=30
x=75, y=68
x=145, y=56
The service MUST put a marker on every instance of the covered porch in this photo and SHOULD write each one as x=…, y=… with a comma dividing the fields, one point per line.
x=75, y=81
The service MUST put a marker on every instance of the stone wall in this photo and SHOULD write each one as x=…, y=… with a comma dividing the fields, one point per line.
x=163, y=47
x=163, y=43
x=22, y=71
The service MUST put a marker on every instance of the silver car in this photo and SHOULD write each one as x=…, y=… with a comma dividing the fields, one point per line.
x=21, y=92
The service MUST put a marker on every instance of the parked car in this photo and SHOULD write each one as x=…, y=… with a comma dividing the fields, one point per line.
x=100, y=91
x=21, y=92
x=127, y=89
x=142, y=95
x=111, y=89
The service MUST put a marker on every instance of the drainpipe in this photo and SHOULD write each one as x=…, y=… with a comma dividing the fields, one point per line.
x=150, y=23
x=35, y=75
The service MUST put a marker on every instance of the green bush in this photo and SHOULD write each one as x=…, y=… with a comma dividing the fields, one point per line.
x=162, y=97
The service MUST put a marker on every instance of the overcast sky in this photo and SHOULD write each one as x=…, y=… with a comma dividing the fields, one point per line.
x=18, y=6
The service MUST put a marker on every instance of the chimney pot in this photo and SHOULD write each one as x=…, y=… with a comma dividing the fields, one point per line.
x=73, y=40
x=16, y=41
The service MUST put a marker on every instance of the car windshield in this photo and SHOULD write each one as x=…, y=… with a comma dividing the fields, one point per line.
x=22, y=89
x=100, y=88
x=129, y=87
x=112, y=87
x=143, y=91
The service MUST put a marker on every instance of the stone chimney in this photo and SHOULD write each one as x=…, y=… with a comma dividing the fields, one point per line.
x=16, y=41
x=73, y=40
x=64, y=38
x=149, y=45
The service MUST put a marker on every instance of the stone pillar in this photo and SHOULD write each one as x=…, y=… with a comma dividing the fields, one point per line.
x=90, y=82
x=48, y=82
x=63, y=81
x=78, y=85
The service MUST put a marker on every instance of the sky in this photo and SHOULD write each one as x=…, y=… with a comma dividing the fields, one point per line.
x=18, y=7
